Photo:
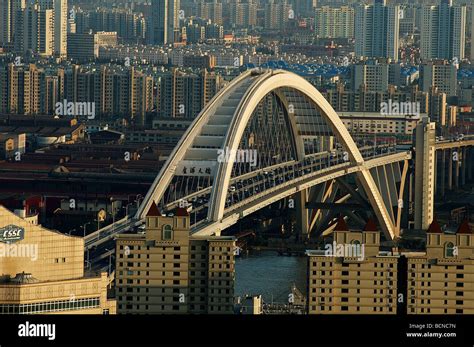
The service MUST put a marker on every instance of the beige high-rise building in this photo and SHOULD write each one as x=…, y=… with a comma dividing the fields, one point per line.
x=439, y=74
x=472, y=34
x=164, y=270
x=21, y=91
x=210, y=10
x=371, y=76
x=443, y=31
x=183, y=94
x=441, y=280
x=377, y=30
x=60, y=18
x=42, y=271
x=243, y=14
x=425, y=171
x=334, y=22
x=35, y=27
x=277, y=14
x=352, y=275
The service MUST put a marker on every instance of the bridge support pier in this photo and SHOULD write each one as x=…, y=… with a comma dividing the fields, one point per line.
x=469, y=160
x=442, y=169
x=302, y=214
x=463, y=166
x=456, y=169
x=424, y=174
x=450, y=169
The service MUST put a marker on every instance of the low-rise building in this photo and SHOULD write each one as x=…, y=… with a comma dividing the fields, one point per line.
x=377, y=123
x=42, y=271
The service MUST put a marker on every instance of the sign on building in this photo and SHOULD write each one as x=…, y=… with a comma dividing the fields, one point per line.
x=11, y=233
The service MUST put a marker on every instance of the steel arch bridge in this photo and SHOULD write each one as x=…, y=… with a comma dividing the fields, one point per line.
x=266, y=136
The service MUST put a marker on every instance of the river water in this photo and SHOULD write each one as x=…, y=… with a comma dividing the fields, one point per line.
x=268, y=274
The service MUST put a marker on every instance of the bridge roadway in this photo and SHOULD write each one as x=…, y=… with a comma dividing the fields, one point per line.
x=259, y=190
x=468, y=141
x=269, y=196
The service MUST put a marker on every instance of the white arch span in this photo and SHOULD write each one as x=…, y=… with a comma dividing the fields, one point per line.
x=227, y=115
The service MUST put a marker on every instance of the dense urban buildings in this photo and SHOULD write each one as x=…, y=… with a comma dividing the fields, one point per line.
x=170, y=156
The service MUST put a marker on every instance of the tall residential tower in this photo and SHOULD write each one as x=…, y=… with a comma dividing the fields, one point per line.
x=443, y=31
x=377, y=30
x=164, y=21
x=8, y=12
x=60, y=19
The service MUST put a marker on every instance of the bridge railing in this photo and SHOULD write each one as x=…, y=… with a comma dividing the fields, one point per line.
x=105, y=231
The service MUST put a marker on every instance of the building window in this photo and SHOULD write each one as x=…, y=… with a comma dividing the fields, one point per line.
x=449, y=250
x=167, y=232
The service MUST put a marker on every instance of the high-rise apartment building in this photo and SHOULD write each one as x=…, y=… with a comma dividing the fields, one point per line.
x=60, y=18
x=124, y=92
x=377, y=30
x=243, y=14
x=129, y=26
x=210, y=10
x=424, y=173
x=35, y=28
x=164, y=22
x=432, y=102
x=439, y=74
x=472, y=34
x=443, y=31
x=407, y=18
x=370, y=76
x=164, y=270
x=351, y=275
x=277, y=14
x=304, y=7
x=85, y=47
x=334, y=22
x=8, y=17
x=184, y=94
x=21, y=90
